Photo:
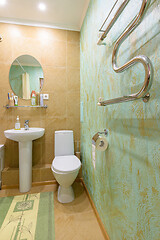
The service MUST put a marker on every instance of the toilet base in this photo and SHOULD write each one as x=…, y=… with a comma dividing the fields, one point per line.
x=65, y=195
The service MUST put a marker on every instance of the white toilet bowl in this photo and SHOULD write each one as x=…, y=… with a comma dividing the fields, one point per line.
x=65, y=170
x=66, y=165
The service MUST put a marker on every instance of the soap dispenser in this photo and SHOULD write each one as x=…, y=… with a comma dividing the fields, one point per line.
x=17, y=124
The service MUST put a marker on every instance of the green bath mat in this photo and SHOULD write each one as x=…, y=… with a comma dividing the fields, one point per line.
x=27, y=217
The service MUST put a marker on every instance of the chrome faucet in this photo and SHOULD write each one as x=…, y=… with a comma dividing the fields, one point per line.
x=26, y=125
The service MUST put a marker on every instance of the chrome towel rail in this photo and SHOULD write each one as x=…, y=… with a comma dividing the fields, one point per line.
x=144, y=60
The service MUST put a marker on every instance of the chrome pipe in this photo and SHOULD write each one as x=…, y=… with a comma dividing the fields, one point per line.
x=144, y=60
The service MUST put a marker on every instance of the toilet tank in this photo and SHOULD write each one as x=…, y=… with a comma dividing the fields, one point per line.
x=64, y=144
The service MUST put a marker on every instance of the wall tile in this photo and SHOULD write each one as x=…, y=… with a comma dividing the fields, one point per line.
x=54, y=54
x=73, y=57
x=73, y=104
x=73, y=79
x=73, y=36
x=55, y=79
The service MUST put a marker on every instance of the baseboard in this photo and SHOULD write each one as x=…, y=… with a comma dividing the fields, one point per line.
x=44, y=183
x=96, y=212
x=34, y=184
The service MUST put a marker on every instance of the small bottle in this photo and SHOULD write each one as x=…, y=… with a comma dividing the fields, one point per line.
x=15, y=100
x=12, y=100
x=41, y=100
x=38, y=98
x=17, y=124
x=8, y=100
x=33, y=98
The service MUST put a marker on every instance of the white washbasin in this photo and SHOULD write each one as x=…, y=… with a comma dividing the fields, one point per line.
x=25, y=138
x=24, y=135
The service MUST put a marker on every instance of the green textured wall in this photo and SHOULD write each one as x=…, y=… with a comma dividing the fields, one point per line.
x=125, y=185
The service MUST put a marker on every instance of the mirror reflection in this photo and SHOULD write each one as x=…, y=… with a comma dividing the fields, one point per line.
x=25, y=76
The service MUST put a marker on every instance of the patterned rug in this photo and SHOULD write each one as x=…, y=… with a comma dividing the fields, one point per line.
x=27, y=217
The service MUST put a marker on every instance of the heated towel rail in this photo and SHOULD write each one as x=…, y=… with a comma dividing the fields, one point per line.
x=144, y=60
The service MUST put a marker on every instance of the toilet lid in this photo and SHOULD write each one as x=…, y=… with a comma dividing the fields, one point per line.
x=66, y=163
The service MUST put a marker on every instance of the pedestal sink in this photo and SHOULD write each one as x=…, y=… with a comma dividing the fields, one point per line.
x=25, y=138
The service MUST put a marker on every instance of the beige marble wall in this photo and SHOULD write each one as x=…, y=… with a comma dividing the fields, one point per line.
x=58, y=53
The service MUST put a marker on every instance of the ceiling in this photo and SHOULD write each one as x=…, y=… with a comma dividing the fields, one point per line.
x=63, y=14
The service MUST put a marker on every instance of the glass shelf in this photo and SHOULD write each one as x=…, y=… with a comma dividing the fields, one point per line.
x=7, y=106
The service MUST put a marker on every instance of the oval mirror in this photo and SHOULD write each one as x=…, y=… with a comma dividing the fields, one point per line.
x=25, y=76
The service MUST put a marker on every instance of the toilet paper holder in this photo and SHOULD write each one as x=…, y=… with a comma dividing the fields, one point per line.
x=95, y=137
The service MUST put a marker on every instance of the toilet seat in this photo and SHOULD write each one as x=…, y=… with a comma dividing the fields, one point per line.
x=65, y=164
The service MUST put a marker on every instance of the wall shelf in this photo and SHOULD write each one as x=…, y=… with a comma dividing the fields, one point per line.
x=7, y=106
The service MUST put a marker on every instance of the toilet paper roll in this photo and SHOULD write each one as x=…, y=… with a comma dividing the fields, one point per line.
x=101, y=143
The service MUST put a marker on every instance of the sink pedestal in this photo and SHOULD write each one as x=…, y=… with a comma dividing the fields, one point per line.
x=25, y=166
x=25, y=138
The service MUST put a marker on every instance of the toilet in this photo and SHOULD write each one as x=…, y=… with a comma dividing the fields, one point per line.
x=66, y=165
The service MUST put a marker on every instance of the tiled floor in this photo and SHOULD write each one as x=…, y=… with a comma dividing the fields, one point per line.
x=73, y=221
